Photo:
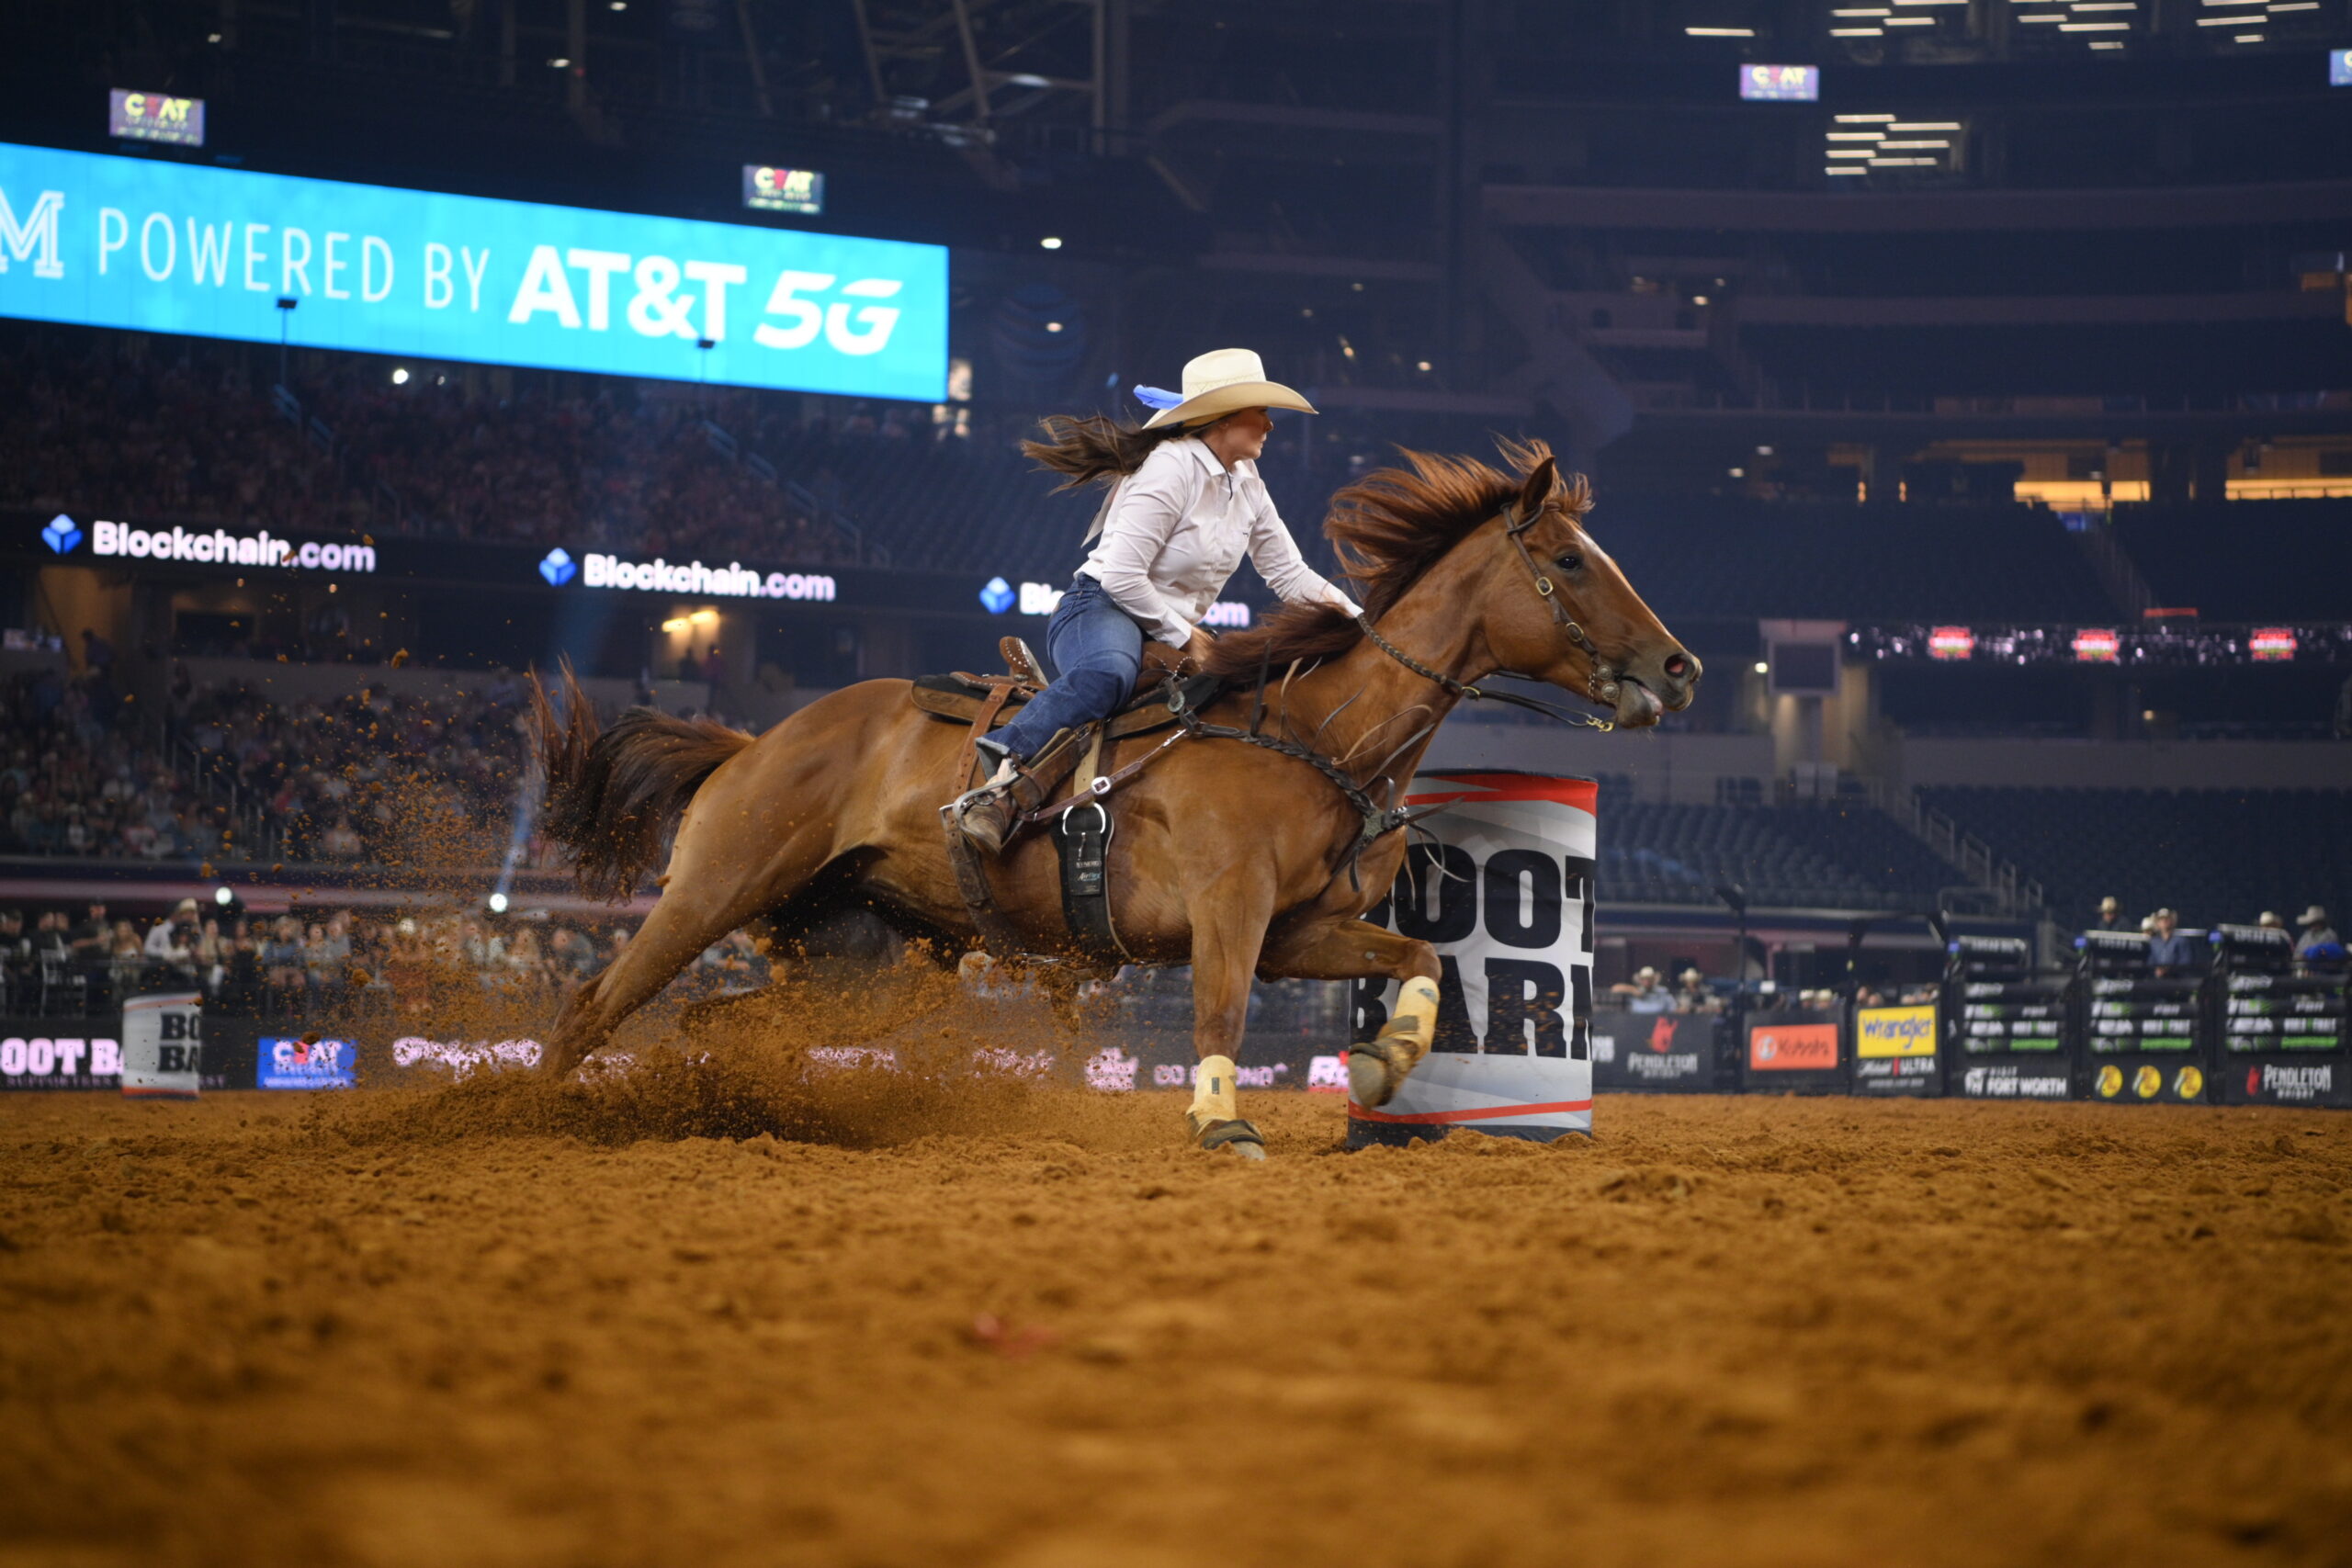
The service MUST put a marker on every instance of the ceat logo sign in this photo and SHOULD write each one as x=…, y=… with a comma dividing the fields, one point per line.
x=2097, y=645
x=1951, y=642
x=2272, y=644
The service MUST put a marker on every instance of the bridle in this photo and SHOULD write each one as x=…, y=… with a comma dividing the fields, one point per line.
x=1601, y=683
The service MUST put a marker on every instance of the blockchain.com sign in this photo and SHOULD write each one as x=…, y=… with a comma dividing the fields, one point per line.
x=159, y=247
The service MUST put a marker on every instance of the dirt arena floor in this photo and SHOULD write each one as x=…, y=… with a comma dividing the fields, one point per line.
x=693, y=1317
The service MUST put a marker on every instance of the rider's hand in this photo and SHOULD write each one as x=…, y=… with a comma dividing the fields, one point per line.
x=1197, y=648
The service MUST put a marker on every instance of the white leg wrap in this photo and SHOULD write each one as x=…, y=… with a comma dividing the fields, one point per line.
x=1416, y=1015
x=1213, y=1096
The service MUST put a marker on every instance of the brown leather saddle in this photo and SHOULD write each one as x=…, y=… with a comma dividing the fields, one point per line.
x=1081, y=759
x=961, y=697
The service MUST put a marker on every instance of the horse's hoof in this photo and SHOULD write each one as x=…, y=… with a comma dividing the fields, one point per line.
x=1374, y=1074
x=1239, y=1136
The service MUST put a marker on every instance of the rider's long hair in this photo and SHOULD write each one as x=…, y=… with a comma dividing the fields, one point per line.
x=1093, y=447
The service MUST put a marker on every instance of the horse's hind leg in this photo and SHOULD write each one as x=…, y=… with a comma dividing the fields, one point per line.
x=709, y=891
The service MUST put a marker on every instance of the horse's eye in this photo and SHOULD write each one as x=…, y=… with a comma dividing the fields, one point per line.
x=1571, y=562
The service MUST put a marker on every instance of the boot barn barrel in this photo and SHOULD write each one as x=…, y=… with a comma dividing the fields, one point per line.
x=1500, y=882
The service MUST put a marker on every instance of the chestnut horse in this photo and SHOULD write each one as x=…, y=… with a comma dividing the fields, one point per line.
x=1236, y=859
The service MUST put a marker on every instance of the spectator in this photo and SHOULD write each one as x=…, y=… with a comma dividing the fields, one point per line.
x=2316, y=931
x=2319, y=945
x=171, y=940
x=2111, y=915
x=2270, y=922
x=1644, y=994
x=2170, y=954
x=1693, y=994
x=281, y=965
x=211, y=957
x=94, y=937
x=126, y=957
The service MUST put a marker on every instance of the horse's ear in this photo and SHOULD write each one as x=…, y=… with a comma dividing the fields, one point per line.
x=1537, y=492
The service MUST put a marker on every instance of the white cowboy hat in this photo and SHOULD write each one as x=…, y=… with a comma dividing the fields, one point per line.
x=1222, y=381
x=2314, y=916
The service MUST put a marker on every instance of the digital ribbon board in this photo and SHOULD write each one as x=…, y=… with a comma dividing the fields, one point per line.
x=154, y=245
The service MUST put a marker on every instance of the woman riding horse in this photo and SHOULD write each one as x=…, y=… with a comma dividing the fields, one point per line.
x=1185, y=502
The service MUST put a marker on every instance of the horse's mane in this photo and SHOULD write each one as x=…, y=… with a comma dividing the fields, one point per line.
x=1388, y=529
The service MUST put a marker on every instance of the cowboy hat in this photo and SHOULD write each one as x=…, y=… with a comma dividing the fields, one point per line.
x=2314, y=916
x=1646, y=972
x=1222, y=381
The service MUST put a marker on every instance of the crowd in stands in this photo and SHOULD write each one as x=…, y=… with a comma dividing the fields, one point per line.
x=320, y=966
x=171, y=431
x=228, y=774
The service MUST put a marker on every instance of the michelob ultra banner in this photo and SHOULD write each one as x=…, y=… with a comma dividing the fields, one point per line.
x=1505, y=895
x=155, y=245
x=163, y=1045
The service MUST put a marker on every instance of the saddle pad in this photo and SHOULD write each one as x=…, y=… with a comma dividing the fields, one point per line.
x=958, y=697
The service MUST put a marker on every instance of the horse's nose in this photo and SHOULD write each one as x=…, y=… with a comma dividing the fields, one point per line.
x=1678, y=672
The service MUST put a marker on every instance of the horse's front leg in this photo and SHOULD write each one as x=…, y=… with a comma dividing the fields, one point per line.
x=1229, y=918
x=1355, y=950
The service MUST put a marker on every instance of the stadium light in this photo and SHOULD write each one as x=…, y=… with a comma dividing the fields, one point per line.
x=400, y=376
x=223, y=897
x=704, y=618
x=498, y=903
x=1762, y=668
x=1050, y=243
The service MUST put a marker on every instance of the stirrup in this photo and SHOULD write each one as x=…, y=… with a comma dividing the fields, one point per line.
x=1007, y=773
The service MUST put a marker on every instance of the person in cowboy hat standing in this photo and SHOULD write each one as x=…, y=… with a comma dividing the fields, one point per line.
x=1185, y=504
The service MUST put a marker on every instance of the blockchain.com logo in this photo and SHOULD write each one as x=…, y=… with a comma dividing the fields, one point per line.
x=998, y=596
x=61, y=535
x=558, y=568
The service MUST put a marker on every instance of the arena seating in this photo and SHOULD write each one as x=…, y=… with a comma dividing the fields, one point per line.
x=2212, y=854
x=2269, y=560
x=1846, y=856
x=1737, y=559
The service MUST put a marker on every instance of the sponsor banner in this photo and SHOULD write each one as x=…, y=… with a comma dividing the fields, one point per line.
x=1796, y=1051
x=1894, y=1051
x=1654, y=1053
x=153, y=245
x=58, y=1053
x=155, y=117
x=2015, y=1080
x=1791, y=1047
x=2287, y=1081
x=1504, y=892
x=2134, y=1080
x=1894, y=1031
x=163, y=1045
x=307, y=1062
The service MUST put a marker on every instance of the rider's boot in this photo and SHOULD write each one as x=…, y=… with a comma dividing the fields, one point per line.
x=987, y=814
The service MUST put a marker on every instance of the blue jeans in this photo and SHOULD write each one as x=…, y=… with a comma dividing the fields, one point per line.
x=1097, y=651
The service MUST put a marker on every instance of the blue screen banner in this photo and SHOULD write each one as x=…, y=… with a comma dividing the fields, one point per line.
x=159, y=246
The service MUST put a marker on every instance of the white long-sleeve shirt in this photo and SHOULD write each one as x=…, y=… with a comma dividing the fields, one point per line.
x=1175, y=532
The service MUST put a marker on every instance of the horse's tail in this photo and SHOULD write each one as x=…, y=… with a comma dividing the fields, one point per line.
x=612, y=795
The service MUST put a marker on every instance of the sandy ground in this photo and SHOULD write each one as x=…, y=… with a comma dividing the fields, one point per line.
x=698, y=1319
